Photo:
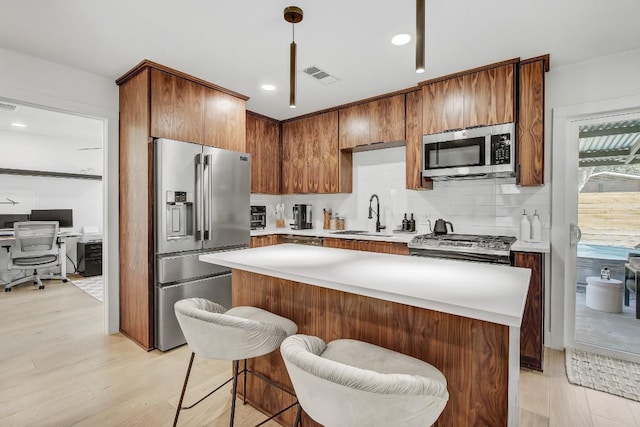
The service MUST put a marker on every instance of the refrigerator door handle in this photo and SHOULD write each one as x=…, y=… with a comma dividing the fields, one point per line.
x=199, y=196
x=208, y=166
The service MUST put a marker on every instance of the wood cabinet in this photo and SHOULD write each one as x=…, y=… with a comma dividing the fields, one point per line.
x=413, y=136
x=268, y=240
x=263, y=143
x=475, y=98
x=176, y=107
x=532, y=329
x=311, y=159
x=530, y=133
x=367, y=245
x=155, y=101
x=381, y=120
x=224, y=121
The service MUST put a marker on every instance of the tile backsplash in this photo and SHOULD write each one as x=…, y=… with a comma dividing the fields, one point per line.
x=486, y=206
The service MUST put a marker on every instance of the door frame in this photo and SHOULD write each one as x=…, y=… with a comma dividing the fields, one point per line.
x=564, y=211
x=110, y=189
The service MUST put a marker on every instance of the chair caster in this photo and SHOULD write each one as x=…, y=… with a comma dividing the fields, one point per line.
x=65, y=280
x=7, y=289
x=41, y=287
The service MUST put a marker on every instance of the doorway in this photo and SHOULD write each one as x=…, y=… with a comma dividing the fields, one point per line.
x=596, y=179
x=57, y=160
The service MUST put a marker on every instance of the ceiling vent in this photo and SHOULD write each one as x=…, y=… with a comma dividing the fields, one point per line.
x=7, y=107
x=320, y=75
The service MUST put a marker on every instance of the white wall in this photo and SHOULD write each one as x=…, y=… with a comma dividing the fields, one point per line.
x=595, y=81
x=29, y=80
x=488, y=206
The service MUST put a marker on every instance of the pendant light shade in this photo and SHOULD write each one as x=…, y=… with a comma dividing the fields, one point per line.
x=293, y=15
x=419, y=36
x=292, y=75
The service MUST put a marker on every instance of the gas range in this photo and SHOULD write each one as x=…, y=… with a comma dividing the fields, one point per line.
x=468, y=247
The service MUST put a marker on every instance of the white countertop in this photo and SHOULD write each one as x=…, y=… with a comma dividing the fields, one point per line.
x=386, y=236
x=520, y=246
x=540, y=247
x=493, y=293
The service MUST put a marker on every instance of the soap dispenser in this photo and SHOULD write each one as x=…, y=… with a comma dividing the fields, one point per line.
x=412, y=224
x=536, y=228
x=525, y=227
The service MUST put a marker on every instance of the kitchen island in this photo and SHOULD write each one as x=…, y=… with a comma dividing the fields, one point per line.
x=463, y=318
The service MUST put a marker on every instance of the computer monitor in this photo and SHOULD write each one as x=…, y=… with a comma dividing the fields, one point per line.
x=63, y=216
x=7, y=220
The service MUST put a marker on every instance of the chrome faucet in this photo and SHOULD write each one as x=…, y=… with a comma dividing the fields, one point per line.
x=377, y=212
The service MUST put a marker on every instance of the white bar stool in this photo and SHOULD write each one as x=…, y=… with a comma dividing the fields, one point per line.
x=605, y=294
x=349, y=383
x=240, y=333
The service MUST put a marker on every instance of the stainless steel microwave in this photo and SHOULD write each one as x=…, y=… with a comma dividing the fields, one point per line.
x=481, y=152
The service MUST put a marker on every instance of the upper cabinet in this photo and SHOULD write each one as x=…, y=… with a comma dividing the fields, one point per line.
x=176, y=107
x=489, y=96
x=442, y=105
x=311, y=159
x=476, y=98
x=224, y=121
x=530, y=134
x=263, y=143
x=381, y=120
x=413, y=131
x=187, y=110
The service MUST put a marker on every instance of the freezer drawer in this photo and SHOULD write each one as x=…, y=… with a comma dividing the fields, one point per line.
x=183, y=267
x=167, y=330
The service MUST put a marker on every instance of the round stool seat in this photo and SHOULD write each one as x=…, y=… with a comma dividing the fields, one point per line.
x=605, y=294
x=349, y=383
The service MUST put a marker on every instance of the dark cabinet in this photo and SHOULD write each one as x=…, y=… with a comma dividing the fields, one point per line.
x=263, y=143
x=89, y=258
x=532, y=328
x=381, y=120
x=530, y=136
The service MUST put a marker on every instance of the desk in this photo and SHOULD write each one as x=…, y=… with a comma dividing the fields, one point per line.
x=62, y=252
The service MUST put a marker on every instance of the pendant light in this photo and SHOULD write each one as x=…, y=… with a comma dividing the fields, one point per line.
x=419, y=36
x=293, y=15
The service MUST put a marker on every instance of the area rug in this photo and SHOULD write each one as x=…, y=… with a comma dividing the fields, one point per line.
x=91, y=285
x=603, y=373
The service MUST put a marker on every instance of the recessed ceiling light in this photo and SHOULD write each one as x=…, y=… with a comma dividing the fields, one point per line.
x=19, y=125
x=401, y=39
x=268, y=87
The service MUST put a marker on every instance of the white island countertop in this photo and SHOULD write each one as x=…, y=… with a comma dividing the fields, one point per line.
x=493, y=293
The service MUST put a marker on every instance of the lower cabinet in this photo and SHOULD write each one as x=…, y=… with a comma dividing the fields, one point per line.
x=258, y=241
x=532, y=329
x=368, y=245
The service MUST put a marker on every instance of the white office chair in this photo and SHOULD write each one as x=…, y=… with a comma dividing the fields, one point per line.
x=36, y=246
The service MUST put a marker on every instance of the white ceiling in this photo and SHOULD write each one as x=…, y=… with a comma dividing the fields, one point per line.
x=240, y=44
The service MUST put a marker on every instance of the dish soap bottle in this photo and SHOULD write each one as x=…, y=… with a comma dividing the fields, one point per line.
x=536, y=228
x=525, y=227
x=412, y=224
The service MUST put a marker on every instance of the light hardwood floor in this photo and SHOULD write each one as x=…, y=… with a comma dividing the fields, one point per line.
x=58, y=369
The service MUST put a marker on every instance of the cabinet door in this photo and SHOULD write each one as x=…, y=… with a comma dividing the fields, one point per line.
x=387, y=119
x=259, y=241
x=312, y=140
x=442, y=105
x=530, y=137
x=176, y=107
x=224, y=121
x=532, y=329
x=413, y=135
x=354, y=126
x=328, y=152
x=488, y=96
x=263, y=143
x=294, y=178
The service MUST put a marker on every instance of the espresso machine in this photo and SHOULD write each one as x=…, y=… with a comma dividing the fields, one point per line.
x=302, y=217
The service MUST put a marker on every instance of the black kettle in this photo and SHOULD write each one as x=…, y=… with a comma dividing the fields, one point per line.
x=440, y=226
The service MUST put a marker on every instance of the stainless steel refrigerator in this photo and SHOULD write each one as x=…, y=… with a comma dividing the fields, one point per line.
x=201, y=204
